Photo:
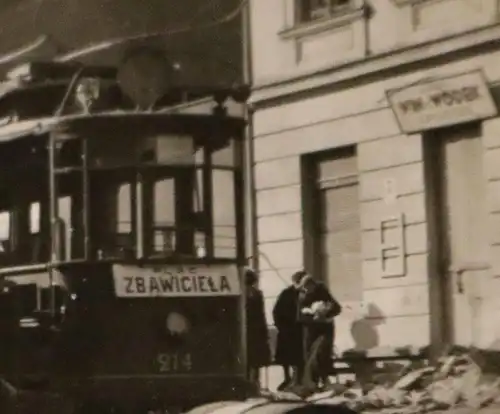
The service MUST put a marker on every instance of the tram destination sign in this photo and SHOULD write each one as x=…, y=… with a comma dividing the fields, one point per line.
x=442, y=102
x=176, y=281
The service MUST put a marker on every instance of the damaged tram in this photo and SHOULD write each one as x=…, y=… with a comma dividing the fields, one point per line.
x=121, y=248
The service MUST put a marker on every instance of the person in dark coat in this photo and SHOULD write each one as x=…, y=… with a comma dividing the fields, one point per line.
x=317, y=310
x=289, y=352
x=258, y=350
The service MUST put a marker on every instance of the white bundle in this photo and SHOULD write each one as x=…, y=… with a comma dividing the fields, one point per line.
x=317, y=309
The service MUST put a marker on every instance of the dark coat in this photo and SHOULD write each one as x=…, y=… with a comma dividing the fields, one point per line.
x=258, y=350
x=289, y=341
x=315, y=330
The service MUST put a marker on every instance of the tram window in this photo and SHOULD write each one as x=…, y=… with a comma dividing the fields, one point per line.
x=5, y=237
x=223, y=214
x=35, y=217
x=71, y=237
x=111, y=214
x=164, y=216
x=21, y=240
x=5, y=222
x=65, y=217
x=200, y=235
x=36, y=251
x=124, y=209
x=198, y=192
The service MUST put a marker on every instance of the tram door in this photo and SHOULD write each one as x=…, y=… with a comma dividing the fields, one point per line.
x=458, y=205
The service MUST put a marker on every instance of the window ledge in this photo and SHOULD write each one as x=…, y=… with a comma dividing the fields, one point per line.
x=313, y=28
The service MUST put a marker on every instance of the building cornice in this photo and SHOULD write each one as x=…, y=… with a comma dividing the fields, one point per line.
x=266, y=92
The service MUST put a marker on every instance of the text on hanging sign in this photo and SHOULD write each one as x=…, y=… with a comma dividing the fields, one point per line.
x=442, y=102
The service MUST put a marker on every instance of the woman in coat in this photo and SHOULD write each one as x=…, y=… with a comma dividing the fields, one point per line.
x=258, y=351
x=289, y=350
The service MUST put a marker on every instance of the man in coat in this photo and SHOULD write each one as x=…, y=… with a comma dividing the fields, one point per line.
x=317, y=310
x=289, y=352
x=258, y=350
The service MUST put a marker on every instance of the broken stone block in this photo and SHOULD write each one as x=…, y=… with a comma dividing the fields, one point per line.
x=412, y=378
x=445, y=392
x=336, y=389
x=378, y=398
x=382, y=398
x=468, y=384
x=446, y=367
x=457, y=380
x=353, y=393
x=398, y=397
x=321, y=396
x=337, y=400
x=300, y=390
x=418, y=398
x=386, y=379
x=367, y=387
x=487, y=394
x=355, y=405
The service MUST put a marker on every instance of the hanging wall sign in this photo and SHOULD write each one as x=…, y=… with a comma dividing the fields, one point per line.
x=442, y=102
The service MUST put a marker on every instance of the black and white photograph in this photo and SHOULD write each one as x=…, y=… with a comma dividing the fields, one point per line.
x=249, y=206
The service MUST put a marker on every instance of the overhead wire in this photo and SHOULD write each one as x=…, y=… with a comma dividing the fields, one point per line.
x=187, y=27
x=96, y=47
x=29, y=47
x=20, y=52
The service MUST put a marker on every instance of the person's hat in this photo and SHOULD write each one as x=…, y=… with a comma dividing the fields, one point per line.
x=305, y=280
x=250, y=276
x=298, y=276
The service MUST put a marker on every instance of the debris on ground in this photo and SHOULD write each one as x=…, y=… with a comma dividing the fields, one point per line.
x=459, y=380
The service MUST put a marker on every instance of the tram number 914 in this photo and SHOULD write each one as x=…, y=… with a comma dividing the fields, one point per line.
x=174, y=363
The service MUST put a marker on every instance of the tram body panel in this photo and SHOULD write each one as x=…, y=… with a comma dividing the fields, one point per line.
x=148, y=347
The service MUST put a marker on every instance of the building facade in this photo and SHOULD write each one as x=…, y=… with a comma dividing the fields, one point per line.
x=376, y=142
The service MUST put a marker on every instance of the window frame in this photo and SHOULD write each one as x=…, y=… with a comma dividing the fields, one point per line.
x=86, y=175
x=115, y=250
x=215, y=227
x=202, y=217
x=25, y=246
x=150, y=176
x=332, y=11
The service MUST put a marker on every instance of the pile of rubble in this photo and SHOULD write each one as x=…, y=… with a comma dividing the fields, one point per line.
x=458, y=380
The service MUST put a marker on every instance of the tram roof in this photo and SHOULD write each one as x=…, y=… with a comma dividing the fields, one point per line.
x=177, y=123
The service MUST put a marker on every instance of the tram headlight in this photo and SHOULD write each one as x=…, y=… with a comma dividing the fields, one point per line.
x=177, y=324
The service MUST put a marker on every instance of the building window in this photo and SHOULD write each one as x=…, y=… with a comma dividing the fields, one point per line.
x=313, y=10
